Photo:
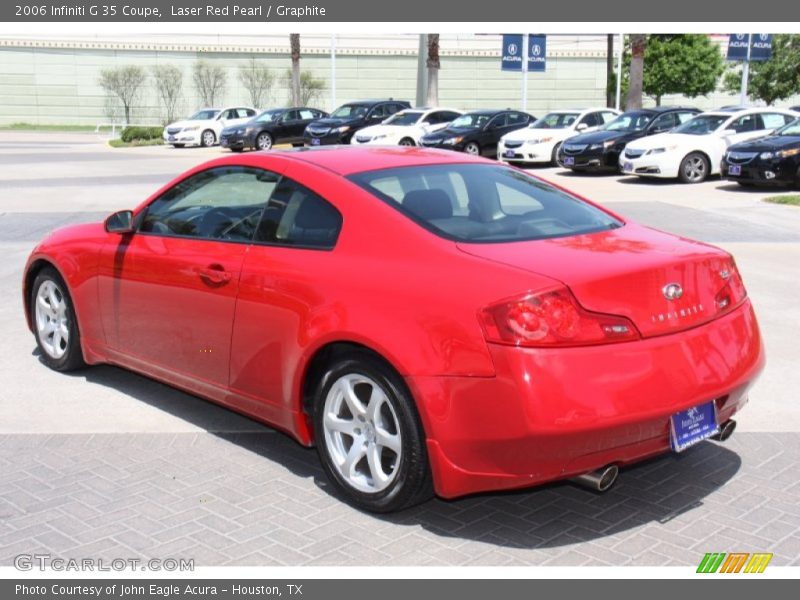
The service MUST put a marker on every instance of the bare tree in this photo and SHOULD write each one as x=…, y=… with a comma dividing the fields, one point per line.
x=311, y=88
x=434, y=64
x=636, y=73
x=124, y=83
x=169, y=82
x=209, y=81
x=294, y=43
x=257, y=79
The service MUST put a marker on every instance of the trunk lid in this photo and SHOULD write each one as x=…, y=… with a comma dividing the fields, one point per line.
x=626, y=271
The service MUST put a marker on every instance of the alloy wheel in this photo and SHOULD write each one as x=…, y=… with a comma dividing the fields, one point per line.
x=362, y=433
x=472, y=148
x=694, y=168
x=209, y=138
x=52, y=319
x=264, y=141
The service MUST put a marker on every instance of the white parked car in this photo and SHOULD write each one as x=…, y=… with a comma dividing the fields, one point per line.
x=204, y=126
x=693, y=151
x=404, y=128
x=539, y=142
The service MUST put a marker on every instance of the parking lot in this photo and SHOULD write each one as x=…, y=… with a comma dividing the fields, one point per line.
x=105, y=463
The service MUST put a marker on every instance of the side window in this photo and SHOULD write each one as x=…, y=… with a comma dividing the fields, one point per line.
x=685, y=116
x=591, y=120
x=664, y=122
x=608, y=117
x=393, y=108
x=772, y=120
x=498, y=121
x=513, y=119
x=249, y=112
x=296, y=216
x=224, y=203
x=745, y=124
x=231, y=113
x=290, y=115
x=449, y=116
x=307, y=115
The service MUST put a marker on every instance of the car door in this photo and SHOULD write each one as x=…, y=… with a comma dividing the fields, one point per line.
x=663, y=123
x=742, y=129
x=281, y=281
x=288, y=129
x=168, y=291
x=304, y=117
x=491, y=134
x=376, y=115
x=589, y=122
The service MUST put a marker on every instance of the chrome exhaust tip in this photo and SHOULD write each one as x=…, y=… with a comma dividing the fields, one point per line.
x=600, y=480
x=725, y=431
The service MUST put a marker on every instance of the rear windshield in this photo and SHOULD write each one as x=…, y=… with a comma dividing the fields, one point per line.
x=483, y=203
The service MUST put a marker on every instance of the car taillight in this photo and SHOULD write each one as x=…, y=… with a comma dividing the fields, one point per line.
x=733, y=292
x=552, y=318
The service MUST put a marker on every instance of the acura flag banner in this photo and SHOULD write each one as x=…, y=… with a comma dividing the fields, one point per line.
x=760, y=46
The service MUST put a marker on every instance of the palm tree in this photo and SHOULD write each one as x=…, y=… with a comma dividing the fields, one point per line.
x=434, y=64
x=638, y=47
x=294, y=42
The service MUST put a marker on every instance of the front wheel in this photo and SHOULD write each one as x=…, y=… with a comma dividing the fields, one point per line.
x=208, y=138
x=264, y=141
x=554, y=155
x=472, y=148
x=369, y=437
x=54, y=322
x=694, y=168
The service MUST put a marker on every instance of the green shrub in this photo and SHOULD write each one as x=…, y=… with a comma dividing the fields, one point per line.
x=131, y=134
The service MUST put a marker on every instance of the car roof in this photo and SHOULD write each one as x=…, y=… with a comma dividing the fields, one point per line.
x=374, y=101
x=346, y=159
x=490, y=111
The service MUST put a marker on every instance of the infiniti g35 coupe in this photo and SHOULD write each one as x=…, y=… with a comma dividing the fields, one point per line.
x=432, y=322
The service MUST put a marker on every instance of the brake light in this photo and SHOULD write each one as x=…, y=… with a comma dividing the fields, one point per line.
x=552, y=318
x=733, y=292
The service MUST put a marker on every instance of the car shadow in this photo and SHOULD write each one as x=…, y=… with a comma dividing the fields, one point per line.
x=731, y=186
x=553, y=515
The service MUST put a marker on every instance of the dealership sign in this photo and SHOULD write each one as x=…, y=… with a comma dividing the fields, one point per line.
x=760, y=46
x=514, y=52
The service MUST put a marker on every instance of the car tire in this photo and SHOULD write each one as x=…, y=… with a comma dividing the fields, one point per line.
x=694, y=168
x=208, y=138
x=237, y=149
x=178, y=145
x=264, y=141
x=54, y=323
x=298, y=145
x=472, y=148
x=407, y=141
x=359, y=402
x=554, y=155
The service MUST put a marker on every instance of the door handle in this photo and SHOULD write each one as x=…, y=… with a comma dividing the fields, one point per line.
x=214, y=274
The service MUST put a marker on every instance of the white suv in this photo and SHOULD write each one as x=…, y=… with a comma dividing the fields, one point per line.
x=204, y=126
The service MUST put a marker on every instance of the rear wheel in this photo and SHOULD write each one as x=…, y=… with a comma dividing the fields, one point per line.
x=264, y=141
x=208, y=138
x=694, y=168
x=472, y=148
x=54, y=322
x=369, y=437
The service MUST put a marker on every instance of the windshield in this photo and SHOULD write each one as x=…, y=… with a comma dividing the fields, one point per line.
x=404, y=118
x=555, y=121
x=349, y=111
x=204, y=115
x=470, y=121
x=269, y=116
x=632, y=121
x=701, y=125
x=792, y=129
x=483, y=203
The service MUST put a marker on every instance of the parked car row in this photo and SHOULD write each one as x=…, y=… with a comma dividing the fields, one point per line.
x=747, y=145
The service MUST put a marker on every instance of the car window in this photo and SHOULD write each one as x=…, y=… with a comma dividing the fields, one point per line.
x=515, y=118
x=685, y=116
x=296, y=216
x=350, y=111
x=483, y=203
x=393, y=108
x=630, y=121
x=231, y=113
x=607, y=116
x=378, y=112
x=290, y=115
x=470, y=121
x=498, y=121
x=555, y=120
x=306, y=114
x=773, y=120
x=745, y=124
x=269, y=116
x=591, y=120
x=664, y=122
x=249, y=112
x=224, y=203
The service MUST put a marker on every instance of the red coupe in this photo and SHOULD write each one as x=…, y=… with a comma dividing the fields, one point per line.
x=431, y=321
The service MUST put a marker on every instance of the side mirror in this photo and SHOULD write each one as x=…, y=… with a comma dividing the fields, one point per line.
x=729, y=132
x=581, y=127
x=120, y=222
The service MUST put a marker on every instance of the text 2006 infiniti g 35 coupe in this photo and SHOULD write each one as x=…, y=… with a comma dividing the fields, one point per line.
x=431, y=321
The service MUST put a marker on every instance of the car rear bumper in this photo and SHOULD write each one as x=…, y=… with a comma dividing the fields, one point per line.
x=551, y=414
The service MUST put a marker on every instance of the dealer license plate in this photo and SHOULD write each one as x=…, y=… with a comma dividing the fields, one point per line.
x=171, y=138
x=569, y=160
x=315, y=141
x=693, y=425
x=627, y=166
x=508, y=154
x=734, y=170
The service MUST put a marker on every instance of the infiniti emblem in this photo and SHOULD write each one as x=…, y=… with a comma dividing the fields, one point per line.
x=672, y=291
